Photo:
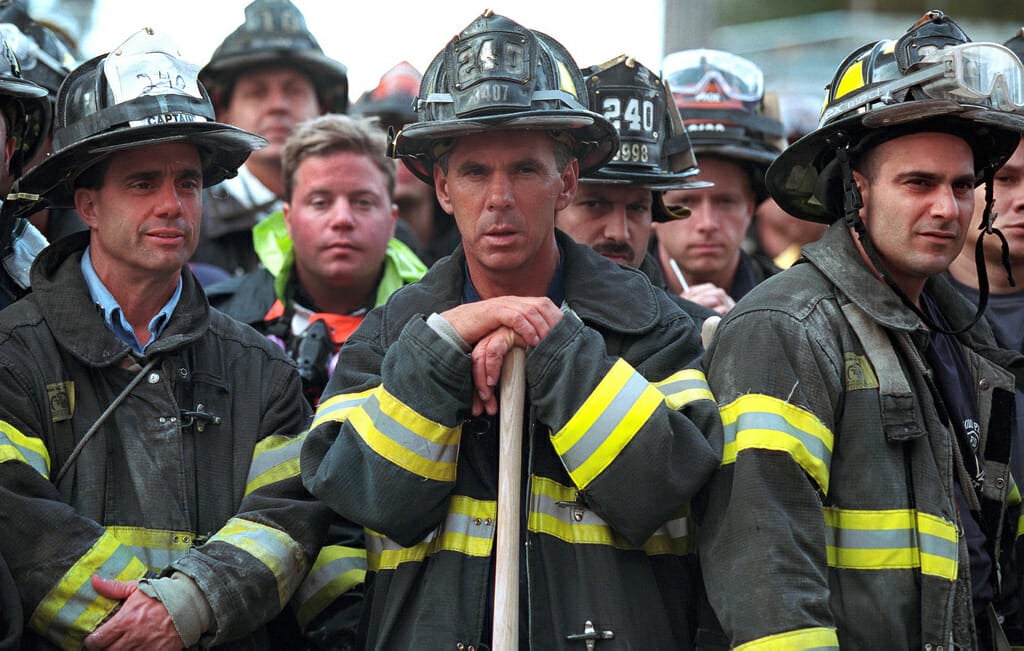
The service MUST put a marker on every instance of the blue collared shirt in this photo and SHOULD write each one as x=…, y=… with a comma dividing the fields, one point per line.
x=113, y=315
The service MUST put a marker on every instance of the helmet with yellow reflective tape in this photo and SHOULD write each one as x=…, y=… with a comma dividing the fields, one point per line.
x=654, y=151
x=497, y=74
x=931, y=79
x=142, y=93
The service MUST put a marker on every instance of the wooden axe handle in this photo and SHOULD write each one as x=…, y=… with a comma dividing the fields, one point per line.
x=505, y=635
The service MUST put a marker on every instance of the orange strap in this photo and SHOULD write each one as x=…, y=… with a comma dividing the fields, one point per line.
x=341, y=326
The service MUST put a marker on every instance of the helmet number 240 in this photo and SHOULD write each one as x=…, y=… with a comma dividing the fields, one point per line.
x=637, y=116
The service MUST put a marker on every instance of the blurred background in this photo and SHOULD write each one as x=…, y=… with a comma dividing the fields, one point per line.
x=798, y=43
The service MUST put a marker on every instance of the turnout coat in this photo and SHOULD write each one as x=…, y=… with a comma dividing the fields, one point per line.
x=832, y=522
x=195, y=471
x=616, y=444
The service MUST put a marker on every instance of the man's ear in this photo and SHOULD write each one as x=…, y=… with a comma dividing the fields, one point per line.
x=286, y=211
x=570, y=182
x=85, y=206
x=860, y=180
x=441, y=190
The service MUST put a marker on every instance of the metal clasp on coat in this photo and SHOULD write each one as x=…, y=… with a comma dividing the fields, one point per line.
x=199, y=418
x=577, y=506
x=590, y=635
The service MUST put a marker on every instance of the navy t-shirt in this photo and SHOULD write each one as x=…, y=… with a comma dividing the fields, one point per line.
x=953, y=381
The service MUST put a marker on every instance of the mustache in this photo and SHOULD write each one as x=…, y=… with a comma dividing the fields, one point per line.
x=621, y=249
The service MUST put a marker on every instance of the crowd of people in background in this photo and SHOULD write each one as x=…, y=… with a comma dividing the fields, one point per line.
x=252, y=336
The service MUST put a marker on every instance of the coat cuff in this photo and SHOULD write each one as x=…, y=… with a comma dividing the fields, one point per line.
x=185, y=602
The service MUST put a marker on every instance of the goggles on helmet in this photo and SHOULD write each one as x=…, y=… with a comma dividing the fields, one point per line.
x=691, y=72
x=979, y=71
x=976, y=74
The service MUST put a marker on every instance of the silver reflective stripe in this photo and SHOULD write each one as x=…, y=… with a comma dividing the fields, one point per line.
x=15, y=446
x=284, y=450
x=336, y=407
x=606, y=422
x=323, y=575
x=407, y=438
x=752, y=420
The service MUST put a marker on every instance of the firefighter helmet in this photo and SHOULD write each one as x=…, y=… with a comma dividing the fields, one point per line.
x=727, y=114
x=654, y=151
x=391, y=101
x=45, y=59
x=933, y=78
x=497, y=74
x=139, y=94
x=25, y=107
x=275, y=33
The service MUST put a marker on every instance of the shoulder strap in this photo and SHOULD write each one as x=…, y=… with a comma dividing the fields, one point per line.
x=900, y=416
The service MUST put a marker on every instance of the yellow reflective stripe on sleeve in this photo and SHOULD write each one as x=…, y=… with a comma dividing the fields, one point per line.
x=939, y=549
x=553, y=511
x=1020, y=526
x=606, y=422
x=684, y=387
x=405, y=438
x=337, y=570
x=72, y=608
x=891, y=539
x=15, y=446
x=760, y=422
x=468, y=529
x=337, y=407
x=272, y=547
x=807, y=639
x=157, y=548
x=274, y=459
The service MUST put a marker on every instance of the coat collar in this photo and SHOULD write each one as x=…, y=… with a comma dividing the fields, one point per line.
x=839, y=259
x=59, y=289
x=599, y=291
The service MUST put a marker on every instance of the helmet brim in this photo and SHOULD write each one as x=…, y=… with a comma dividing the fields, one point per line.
x=596, y=139
x=224, y=149
x=648, y=181
x=793, y=179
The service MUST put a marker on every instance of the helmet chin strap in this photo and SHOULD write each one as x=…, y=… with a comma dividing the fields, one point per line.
x=987, y=227
x=853, y=202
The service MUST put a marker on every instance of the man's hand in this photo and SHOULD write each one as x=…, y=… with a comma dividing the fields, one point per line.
x=141, y=623
x=710, y=296
x=493, y=327
x=488, y=357
x=529, y=317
